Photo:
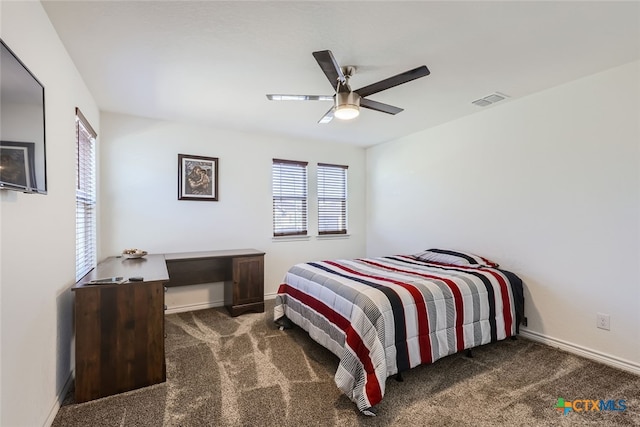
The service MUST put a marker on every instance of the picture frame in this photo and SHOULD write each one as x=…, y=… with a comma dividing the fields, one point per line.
x=197, y=178
x=17, y=161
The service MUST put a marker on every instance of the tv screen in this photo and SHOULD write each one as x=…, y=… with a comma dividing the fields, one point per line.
x=22, y=134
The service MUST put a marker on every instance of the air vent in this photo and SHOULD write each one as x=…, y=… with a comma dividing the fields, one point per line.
x=481, y=103
x=490, y=99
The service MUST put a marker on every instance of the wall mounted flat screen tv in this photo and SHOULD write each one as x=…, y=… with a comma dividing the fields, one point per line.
x=22, y=128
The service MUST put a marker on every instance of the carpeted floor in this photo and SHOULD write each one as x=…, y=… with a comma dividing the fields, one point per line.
x=243, y=371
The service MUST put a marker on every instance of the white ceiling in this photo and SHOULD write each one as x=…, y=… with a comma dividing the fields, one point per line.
x=213, y=62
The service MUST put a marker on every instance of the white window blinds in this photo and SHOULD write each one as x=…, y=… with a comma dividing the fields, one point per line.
x=289, y=197
x=332, y=199
x=85, y=196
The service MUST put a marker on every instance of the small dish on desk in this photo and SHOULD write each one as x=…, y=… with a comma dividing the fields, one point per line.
x=133, y=253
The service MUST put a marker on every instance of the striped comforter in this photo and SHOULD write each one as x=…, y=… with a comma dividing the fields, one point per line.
x=382, y=316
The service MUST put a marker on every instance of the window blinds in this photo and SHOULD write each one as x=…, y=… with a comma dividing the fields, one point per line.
x=289, y=180
x=332, y=199
x=85, y=196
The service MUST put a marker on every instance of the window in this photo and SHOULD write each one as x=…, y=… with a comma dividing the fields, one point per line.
x=289, y=197
x=332, y=199
x=85, y=196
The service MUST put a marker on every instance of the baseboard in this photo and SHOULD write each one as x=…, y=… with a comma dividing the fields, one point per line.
x=205, y=305
x=193, y=307
x=59, y=398
x=587, y=353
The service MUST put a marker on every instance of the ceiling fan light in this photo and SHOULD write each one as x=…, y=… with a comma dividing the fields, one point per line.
x=347, y=106
x=347, y=112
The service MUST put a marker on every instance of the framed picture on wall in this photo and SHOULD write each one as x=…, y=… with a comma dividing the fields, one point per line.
x=197, y=178
x=17, y=166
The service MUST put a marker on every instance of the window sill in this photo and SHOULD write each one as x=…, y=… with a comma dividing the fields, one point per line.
x=332, y=236
x=290, y=238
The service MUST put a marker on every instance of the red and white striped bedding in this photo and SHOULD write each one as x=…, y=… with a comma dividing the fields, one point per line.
x=382, y=316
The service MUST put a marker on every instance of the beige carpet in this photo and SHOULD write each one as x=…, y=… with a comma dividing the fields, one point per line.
x=243, y=371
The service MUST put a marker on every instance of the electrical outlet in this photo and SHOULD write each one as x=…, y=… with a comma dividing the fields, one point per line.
x=602, y=321
x=524, y=321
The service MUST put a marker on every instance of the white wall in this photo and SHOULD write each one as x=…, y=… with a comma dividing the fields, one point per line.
x=140, y=206
x=548, y=186
x=37, y=242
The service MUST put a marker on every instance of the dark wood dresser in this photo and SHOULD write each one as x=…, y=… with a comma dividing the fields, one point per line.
x=120, y=328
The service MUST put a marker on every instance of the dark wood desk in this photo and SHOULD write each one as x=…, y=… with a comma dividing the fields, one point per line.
x=120, y=328
x=241, y=270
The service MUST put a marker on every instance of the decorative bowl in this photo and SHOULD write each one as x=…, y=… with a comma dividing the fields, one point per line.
x=133, y=253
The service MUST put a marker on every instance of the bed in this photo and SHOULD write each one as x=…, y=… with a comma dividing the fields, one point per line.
x=382, y=316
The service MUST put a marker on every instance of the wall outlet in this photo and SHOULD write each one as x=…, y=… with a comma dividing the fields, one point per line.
x=524, y=321
x=602, y=321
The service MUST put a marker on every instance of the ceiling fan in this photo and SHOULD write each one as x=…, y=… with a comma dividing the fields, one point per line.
x=347, y=102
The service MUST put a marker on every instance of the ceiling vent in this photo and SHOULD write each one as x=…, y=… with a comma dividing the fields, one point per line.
x=490, y=99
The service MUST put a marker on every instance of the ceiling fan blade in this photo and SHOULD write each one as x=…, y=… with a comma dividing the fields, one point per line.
x=282, y=97
x=379, y=106
x=328, y=116
x=330, y=67
x=405, y=77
